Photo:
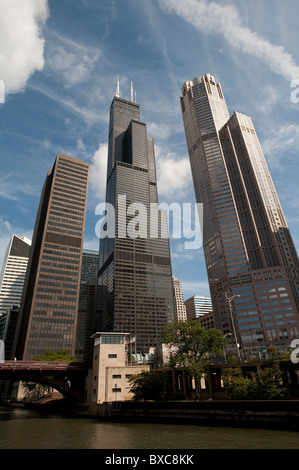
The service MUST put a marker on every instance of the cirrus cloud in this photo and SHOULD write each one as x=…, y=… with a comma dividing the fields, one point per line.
x=224, y=20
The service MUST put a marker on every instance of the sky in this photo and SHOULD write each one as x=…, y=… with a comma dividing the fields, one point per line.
x=59, y=61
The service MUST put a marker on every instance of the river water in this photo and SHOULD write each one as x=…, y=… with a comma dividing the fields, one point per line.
x=24, y=429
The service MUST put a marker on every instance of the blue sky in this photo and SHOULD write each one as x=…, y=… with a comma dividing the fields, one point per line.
x=59, y=61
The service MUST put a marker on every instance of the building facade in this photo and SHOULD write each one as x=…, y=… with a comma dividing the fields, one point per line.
x=251, y=260
x=90, y=265
x=109, y=379
x=135, y=276
x=180, y=307
x=49, y=307
x=198, y=305
x=13, y=273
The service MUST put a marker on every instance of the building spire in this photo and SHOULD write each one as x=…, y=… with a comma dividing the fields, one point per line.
x=117, y=87
x=132, y=92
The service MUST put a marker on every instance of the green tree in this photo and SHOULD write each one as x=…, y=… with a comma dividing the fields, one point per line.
x=270, y=383
x=150, y=385
x=35, y=390
x=238, y=386
x=267, y=386
x=56, y=356
x=194, y=346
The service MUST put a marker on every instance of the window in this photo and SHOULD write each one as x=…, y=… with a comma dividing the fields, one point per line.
x=112, y=339
x=112, y=356
x=116, y=376
x=116, y=390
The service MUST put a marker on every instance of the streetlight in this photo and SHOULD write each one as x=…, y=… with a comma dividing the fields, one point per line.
x=224, y=353
x=233, y=323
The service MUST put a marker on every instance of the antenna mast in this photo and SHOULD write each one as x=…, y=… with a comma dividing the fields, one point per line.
x=117, y=87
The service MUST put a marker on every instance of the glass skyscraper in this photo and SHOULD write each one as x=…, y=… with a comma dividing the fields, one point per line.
x=49, y=307
x=135, y=276
x=251, y=260
x=13, y=273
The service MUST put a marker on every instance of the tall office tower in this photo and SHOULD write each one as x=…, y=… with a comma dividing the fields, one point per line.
x=251, y=260
x=90, y=265
x=48, y=314
x=85, y=326
x=8, y=323
x=87, y=305
x=13, y=273
x=197, y=306
x=135, y=276
x=180, y=307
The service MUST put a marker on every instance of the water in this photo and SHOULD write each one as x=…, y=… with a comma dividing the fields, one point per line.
x=23, y=429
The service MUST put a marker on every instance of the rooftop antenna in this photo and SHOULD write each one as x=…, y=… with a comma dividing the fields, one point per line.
x=132, y=92
x=117, y=87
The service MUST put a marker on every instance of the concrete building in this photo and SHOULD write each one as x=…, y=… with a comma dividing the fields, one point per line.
x=108, y=380
x=207, y=320
x=252, y=263
x=180, y=307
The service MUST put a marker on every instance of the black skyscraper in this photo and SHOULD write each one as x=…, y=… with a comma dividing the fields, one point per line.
x=135, y=277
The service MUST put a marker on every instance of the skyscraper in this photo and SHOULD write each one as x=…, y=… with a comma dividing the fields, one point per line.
x=13, y=273
x=135, y=278
x=48, y=314
x=180, y=307
x=90, y=265
x=251, y=260
x=197, y=306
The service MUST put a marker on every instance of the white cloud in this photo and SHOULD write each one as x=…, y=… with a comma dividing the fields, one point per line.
x=191, y=288
x=72, y=61
x=22, y=45
x=173, y=175
x=282, y=141
x=213, y=18
x=15, y=192
x=161, y=131
x=98, y=172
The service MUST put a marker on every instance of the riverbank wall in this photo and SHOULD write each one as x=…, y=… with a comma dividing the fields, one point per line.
x=263, y=414
x=283, y=414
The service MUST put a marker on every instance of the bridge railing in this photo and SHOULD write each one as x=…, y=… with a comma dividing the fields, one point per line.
x=36, y=365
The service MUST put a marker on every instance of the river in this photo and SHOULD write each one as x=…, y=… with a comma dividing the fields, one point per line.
x=26, y=429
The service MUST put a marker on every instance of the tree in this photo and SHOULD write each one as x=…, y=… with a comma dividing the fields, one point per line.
x=193, y=344
x=268, y=384
x=56, y=356
x=238, y=386
x=36, y=390
x=150, y=385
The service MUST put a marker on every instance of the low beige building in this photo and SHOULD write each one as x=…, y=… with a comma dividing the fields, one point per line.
x=108, y=380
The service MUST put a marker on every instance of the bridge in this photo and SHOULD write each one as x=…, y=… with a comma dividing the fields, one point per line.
x=66, y=377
